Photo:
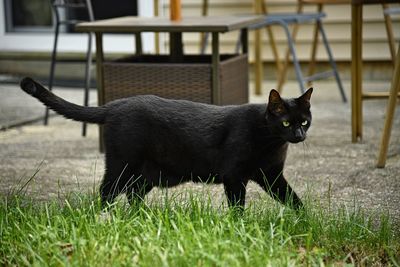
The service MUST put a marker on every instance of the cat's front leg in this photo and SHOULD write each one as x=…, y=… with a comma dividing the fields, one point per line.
x=274, y=183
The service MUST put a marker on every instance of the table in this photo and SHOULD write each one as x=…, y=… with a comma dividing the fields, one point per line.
x=356, y=66
x=131, y=24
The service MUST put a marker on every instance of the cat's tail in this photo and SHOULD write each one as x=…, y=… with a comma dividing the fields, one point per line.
x=61, y=106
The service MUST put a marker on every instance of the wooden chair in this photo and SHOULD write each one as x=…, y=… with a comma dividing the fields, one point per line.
x=387, y=11
x=393, y=95
x=358, y=95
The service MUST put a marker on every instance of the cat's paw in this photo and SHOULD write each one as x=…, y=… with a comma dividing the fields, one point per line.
x=104, y=217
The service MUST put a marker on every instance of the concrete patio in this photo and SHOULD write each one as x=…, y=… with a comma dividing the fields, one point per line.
x=326, y=165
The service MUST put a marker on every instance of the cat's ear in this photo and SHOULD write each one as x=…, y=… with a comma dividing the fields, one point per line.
x=275, y=102
x=307, y=95
x=305, y=98
x=274, y=97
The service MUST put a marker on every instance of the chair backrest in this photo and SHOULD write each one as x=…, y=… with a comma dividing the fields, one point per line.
x=106, y=9
x=65, y=12
x=84, y=10
x=70, y=3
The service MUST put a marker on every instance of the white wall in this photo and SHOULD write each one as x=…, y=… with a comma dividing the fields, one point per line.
x=43, y=42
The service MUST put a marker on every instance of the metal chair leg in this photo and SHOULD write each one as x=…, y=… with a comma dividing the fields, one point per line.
x=332, y=61
x=296, y=63
x=87, y=79
x=285, y=66
x=52, y=65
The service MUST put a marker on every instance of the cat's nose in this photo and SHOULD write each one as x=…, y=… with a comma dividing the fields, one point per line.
x=299, y=135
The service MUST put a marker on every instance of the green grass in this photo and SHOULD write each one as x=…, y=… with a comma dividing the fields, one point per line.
x=196, y=233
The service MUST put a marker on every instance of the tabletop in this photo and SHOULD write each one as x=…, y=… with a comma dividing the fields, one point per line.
x=131, y=24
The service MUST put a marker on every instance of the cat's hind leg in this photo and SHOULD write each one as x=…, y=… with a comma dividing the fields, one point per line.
x=235, y=191
x=136, y=189
x=141, y=184
x=151, y=175
x=116, y=176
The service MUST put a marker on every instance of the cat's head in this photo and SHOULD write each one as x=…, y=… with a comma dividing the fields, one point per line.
x=289, y=118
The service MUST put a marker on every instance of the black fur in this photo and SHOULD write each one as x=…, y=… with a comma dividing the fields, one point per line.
x=151, y=141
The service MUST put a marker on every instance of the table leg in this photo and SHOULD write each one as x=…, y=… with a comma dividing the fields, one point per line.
x=216, y=94
x=138, y=43
x=244, y=35
x=394, y=90
x=356, y=70
x=176, y=46
x=100, y=81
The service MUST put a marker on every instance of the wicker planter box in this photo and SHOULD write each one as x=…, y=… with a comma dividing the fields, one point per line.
x=190, y=80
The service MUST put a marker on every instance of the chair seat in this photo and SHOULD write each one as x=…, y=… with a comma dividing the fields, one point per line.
x=289, y=18
x=71, y=22
x=392, y=11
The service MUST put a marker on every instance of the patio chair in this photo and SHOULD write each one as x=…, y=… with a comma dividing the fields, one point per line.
x=90, y=10
x=61, y=7
x=298, y=19
x=312, y=63
x=387, y=11
x=286, y=19
x=393, y=95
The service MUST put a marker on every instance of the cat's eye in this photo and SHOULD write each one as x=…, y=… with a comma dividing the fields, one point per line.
x=304, y=123
x=285, y=123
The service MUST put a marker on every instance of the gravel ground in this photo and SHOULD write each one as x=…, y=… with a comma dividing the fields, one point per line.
x=326, y=166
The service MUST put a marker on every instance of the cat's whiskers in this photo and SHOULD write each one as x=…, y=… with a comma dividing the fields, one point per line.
x=305, y=149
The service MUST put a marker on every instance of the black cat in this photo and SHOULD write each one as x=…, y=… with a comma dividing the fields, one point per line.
x=151, y=141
